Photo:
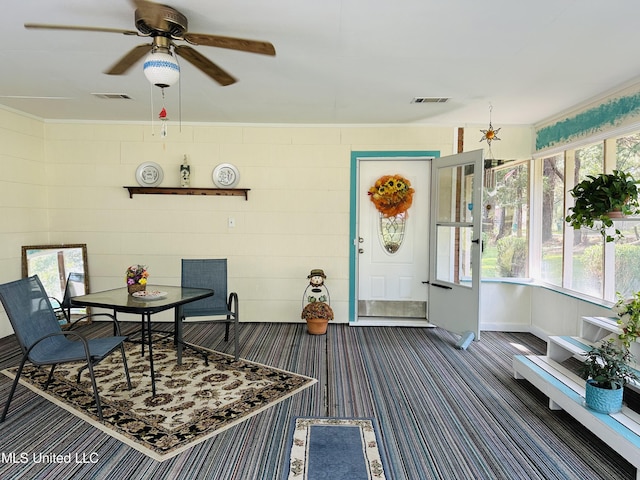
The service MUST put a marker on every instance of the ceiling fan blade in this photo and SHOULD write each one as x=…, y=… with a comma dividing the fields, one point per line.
x=126, y=62
x=243, y=44
x=203, y=63
x=80, y=28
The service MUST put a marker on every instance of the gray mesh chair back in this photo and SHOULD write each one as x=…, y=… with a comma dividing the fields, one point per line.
x=211, y=273
x=42, y=340
x=75, y=287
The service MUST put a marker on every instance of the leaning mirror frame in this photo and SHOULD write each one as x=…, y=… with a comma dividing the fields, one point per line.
x=53, y=264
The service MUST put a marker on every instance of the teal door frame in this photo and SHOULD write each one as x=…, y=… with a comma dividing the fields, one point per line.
x=353, y=206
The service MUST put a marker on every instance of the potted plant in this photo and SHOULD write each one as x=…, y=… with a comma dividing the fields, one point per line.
x=628, y=311
x=317, y=315
x=600, y=198
x=606, y=369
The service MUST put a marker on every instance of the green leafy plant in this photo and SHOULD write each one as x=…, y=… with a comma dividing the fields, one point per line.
x=628, y=311
x=607, y=366
x=512, y=256
x=627, y=265
x=597, y=196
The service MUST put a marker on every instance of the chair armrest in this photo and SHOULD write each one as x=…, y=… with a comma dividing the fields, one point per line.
x=56, y=300
x=90, y=315
x=232, y=303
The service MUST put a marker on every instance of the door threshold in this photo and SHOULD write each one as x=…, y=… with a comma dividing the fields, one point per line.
x=391, y=322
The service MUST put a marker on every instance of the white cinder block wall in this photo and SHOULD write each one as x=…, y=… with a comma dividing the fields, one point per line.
x=23, y=194
x=63, y=183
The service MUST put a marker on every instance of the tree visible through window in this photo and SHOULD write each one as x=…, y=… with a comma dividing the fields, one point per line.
x=505, y=219
x=586, y=252
x=552, y=219
x=627, y=249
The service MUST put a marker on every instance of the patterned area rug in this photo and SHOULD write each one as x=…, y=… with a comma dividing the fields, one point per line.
x=335, y=448
x=193, y=401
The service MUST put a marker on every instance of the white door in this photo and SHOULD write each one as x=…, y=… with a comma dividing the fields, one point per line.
x=456, y=210
x=393, y=253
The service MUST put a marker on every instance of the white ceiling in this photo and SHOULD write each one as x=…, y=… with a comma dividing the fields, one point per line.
x=337, y=62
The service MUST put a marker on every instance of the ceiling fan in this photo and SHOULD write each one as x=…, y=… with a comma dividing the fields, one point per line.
x=164, y=24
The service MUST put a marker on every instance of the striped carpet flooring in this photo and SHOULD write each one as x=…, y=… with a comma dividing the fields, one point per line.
x=443, y=413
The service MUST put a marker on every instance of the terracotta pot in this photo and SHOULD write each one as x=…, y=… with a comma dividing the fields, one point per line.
x=136, y=287
x=615, y=214
x=317, y=326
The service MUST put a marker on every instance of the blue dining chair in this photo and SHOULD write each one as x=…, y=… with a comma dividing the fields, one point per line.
x=42, y=340
x=211, y=273
x=75, y=286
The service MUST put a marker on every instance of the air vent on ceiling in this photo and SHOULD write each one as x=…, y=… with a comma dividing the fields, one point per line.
x=111, y=96
x=429, y=100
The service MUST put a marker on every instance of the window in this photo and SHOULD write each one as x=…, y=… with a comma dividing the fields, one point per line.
x=506, y=218
x=585, y=247
x=627, y=249
x=580, y=260
x=553, y=213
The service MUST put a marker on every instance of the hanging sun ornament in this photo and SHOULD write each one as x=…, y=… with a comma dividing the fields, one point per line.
x=490, y=134
x=392, y=195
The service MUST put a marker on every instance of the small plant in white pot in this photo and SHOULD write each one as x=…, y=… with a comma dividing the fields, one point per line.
x=607, y=371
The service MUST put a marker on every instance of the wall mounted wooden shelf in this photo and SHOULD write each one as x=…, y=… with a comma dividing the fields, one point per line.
x=220, y=192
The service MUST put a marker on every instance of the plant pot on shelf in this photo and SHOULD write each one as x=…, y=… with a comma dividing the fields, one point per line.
x=136, y=287
x=317, y=326
x=606, y=369
x=603, y=400
x=615, y=214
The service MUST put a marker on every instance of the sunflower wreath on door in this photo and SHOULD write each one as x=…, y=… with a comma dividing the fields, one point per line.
x=392, y=196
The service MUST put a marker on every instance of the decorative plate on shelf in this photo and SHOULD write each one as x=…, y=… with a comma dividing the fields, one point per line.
x=149, y=294
x=149, y=174
x=226, y=175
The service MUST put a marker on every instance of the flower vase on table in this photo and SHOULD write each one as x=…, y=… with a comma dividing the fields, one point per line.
x=136, y=277
x=136, y=287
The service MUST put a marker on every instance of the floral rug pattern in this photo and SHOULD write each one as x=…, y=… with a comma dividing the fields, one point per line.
x=193, y=401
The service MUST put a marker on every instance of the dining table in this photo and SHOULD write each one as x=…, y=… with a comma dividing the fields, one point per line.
x=155, y=299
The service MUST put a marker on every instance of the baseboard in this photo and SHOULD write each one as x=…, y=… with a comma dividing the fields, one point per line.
x=505, y=327
x=391, y=322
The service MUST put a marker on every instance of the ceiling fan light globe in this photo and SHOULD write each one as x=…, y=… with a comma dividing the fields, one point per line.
x=161, y=69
